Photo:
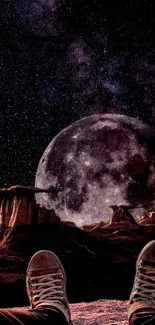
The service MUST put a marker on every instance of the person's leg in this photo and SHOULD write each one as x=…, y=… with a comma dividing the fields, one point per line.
x=142, y=299
x=46, y=288
x=12, y=316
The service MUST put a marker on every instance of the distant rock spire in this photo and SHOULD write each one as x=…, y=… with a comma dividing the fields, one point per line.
x=121, y=218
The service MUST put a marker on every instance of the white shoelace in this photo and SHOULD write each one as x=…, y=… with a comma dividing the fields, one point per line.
x=144, y=286
x=47, y=287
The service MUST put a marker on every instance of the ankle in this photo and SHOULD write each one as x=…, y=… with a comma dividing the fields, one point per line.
x=57, y=306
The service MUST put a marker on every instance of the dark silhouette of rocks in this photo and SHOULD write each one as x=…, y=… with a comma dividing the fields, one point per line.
x=94, y=226
x=70, y=223
x=100, y=264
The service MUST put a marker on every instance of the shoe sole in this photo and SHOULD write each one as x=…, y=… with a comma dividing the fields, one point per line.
x=53, y=255
x=144, y=250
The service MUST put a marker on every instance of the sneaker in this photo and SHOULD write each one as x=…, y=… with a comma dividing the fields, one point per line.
x=142, y=298
x=46, y=283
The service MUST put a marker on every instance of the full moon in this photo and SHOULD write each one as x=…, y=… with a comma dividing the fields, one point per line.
x=98, y=161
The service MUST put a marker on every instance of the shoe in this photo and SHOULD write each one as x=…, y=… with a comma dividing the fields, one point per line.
x=46, y=283
x=142, y=297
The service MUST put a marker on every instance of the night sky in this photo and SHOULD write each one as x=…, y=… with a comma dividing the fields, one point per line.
x=64, y=60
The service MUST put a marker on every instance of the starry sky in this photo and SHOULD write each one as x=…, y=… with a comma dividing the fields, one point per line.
x=61, y=60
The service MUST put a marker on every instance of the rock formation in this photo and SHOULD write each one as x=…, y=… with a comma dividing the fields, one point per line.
x=122, y=218
x=98, y=225
x=148, y=218
x=18, y=206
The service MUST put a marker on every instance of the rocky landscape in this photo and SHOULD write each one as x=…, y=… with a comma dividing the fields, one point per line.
x=99, y=259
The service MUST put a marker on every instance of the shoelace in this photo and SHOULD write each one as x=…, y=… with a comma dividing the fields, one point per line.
x=144, y=287
x=47, y=287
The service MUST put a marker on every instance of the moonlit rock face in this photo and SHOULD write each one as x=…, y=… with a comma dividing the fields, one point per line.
x=98, y=161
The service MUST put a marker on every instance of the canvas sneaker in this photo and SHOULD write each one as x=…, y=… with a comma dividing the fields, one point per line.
x=46, y=283
x=142, y=297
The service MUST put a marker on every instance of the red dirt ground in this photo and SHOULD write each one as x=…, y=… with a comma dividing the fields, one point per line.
x=101, y=312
